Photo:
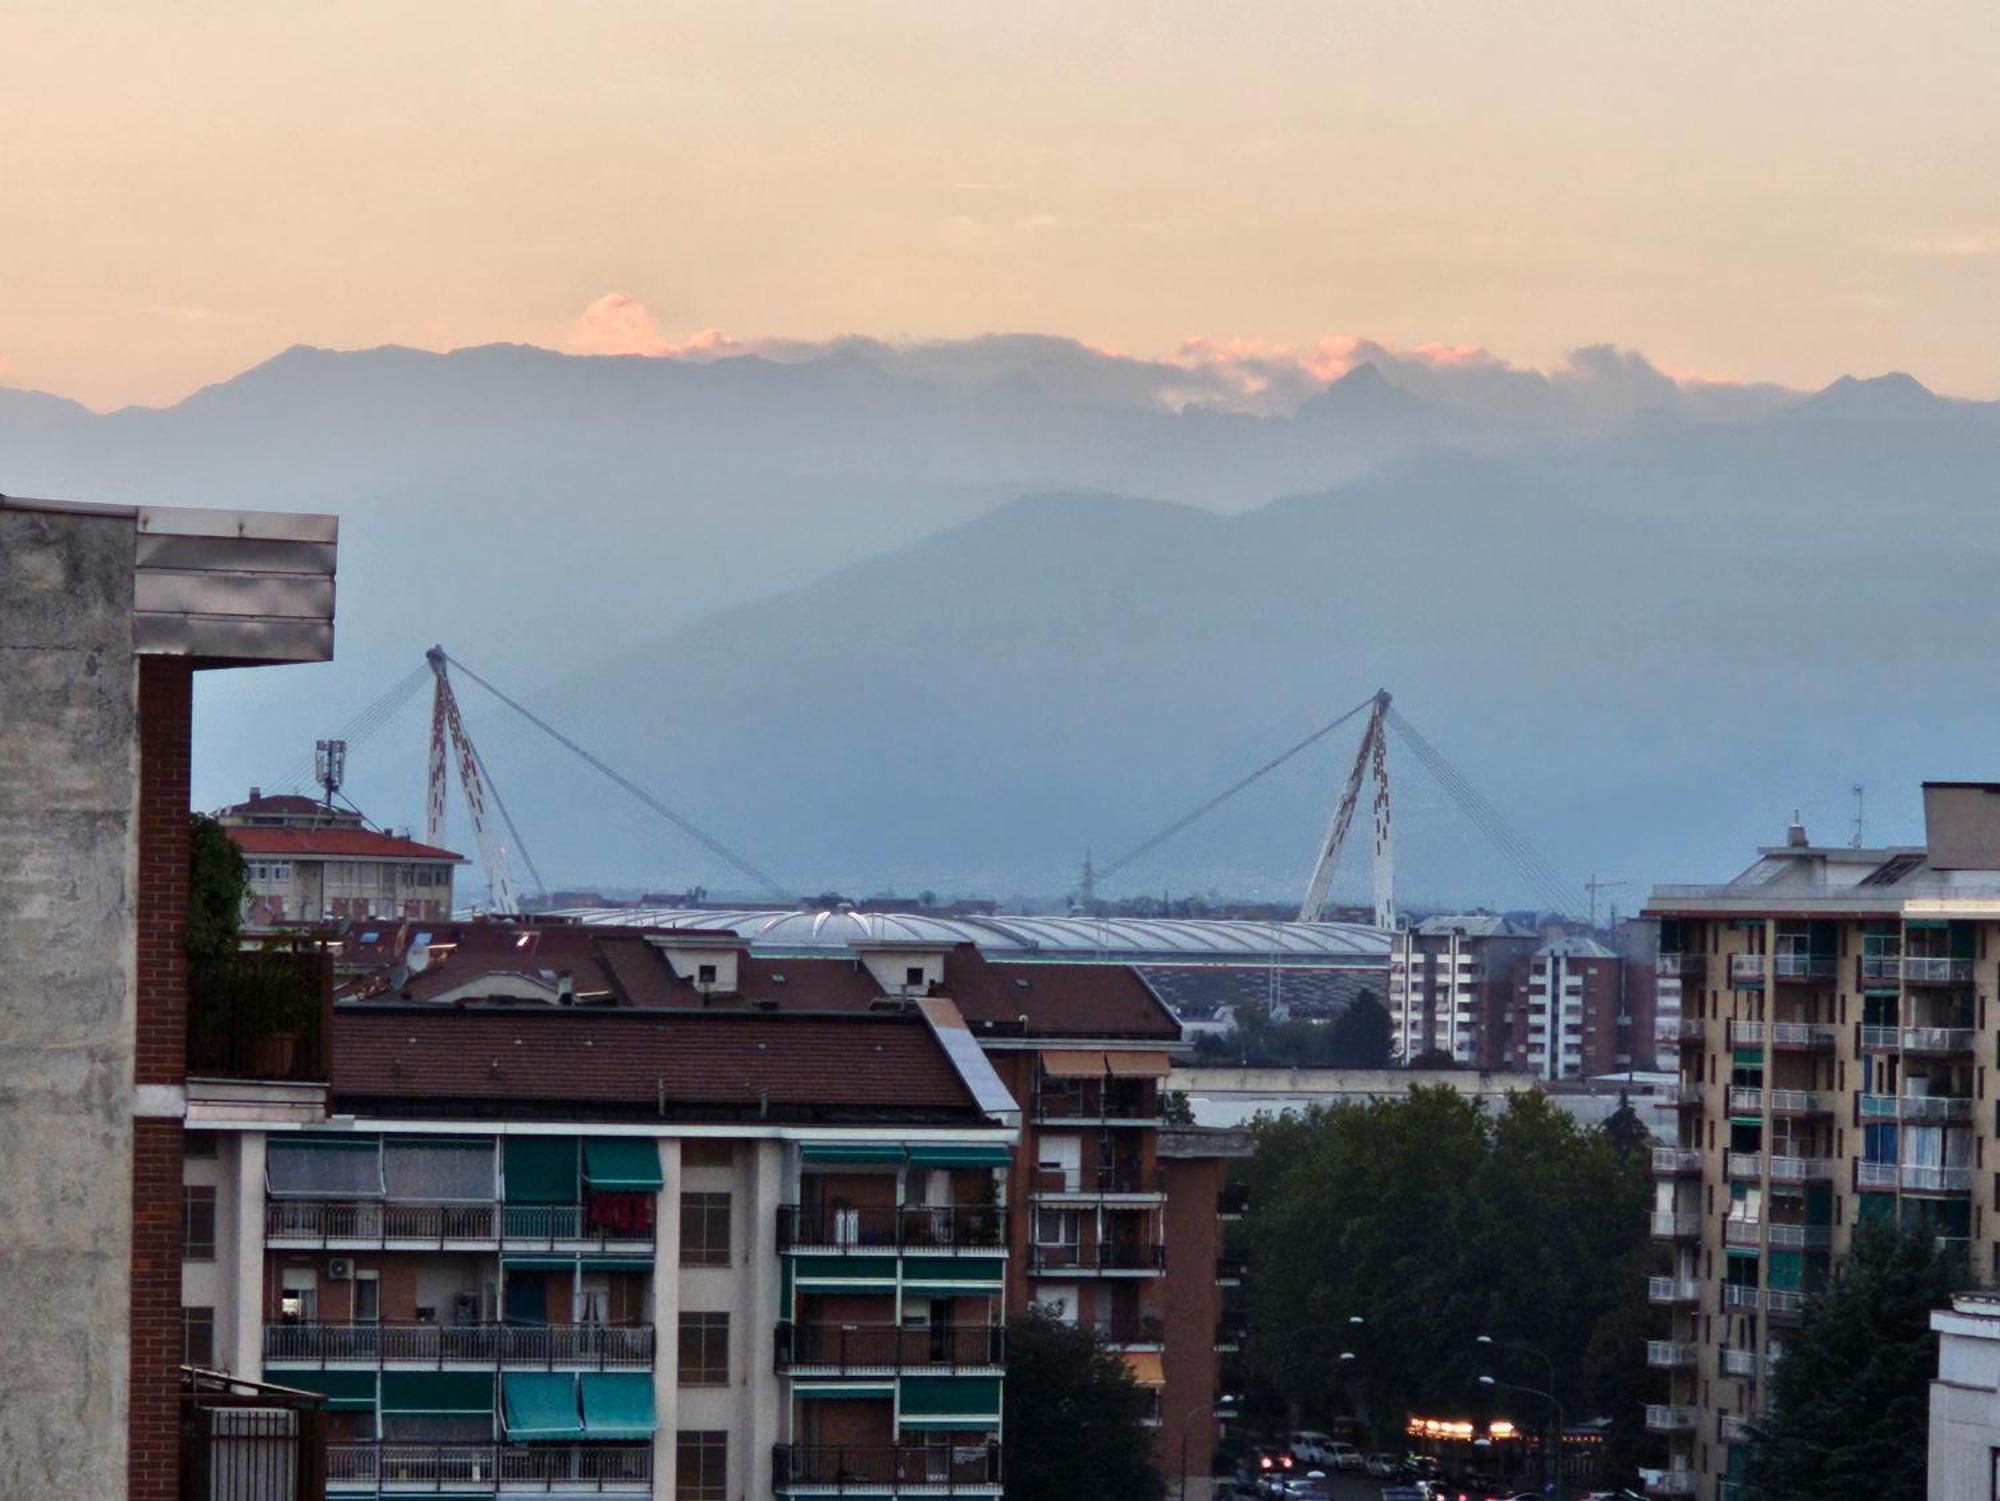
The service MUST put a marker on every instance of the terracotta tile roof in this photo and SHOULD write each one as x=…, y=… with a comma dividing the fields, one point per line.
x=1058, y=1000
x=333, y=844
x=625, y=1062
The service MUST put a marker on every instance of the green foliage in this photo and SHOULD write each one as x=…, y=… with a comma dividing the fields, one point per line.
x=1850, y=1401
x=1437, y=1222
x=1075, y=1419
x=1357, y=1038
x=218, y=883
x=1175, y=1109
x=1361, y=1034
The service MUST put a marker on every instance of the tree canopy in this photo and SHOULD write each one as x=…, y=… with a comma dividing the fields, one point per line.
x=1075, y=1418
x=217, y=884
x=1850, y=1401
x=1357, y=1037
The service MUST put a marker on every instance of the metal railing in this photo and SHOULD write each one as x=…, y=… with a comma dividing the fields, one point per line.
x=1927, y=1179
x=518, y=1467
x=1804, y=966
x=888, y=1347
x=1680, y=966
x=1937, y=1039
x=1672, y=1291
x=1671, y=1483
x=546, y=1346
x=1799, y=1102
x=1136, y=1105
x=1671, y=1161
x=1143, y=1329
x=892, y=1227
x=1801, y=1035
x=378, y=1222
x=1742, y=1232
x=1800, y=1169
x=1746, y=1034
x=1672, y=1225
x=1744, y=1166
x=1106, y=1257
x=1789, y=1235
x=1231, y=1268
x=933, y=1469
x=1924, y=969
x=1746, y=970
x=1662, y=1418
x=1876, y=1038
x=1735, y=1429
x=1881, y=967
x=1874, y=1175
x=1669, y=1354
x=243, y=1441
x=1916, y=1107
x=1739, y=1295
x=1746, y=1099
x=1951, y=1245
x=1783, y=1303
x=1098, y=1181
x=1740, y=1363
x=1230, y=1334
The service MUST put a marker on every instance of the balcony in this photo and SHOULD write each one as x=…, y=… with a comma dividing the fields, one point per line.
x=1056, y=1185
x=1671, y=1483
x=1230, y=1334
x=1920, y=1179
x=885, y=1227
x=1875, y=1175
x=1229, y=1270
x=1951, y=1245
x=1783, y=1304
x=1785, y=1169
x=1878, y=1039
x=410, y=1225
x=1131, y=1106
x=1735, y=1429
x=1742, y=1232
x=1881, y=969
x=1681, y=966
x=885, y=1470
x=1790, y=1235
x=544, y=1347
x=1801, y=1036
x=1233, y=1202
x=1742, y=1363
x=1938, y=1041
x=1744, y=1167
x=1740, y=1297
x=244, y=1441
x=1920, y=969
x=1936, y=1107
x=1107, y=1260
x=1676, y=1162
x=1670, y=1355
x=824, y=1349
x=261, y=1014
x=1662, y=1418
x=1746, y=1099
x=1746, y=1034
x=368, y=1468
x=1803, y=968
x=1672, y=1225
x=1673, y=1292
x=1746, y=971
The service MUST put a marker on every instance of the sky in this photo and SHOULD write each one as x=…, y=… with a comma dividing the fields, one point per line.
x=1780, y=190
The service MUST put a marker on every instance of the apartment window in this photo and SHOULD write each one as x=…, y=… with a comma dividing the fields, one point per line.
x=701, y=1464
x=198, y=1337
x=913, y=975
x=704, y=1349
x=704, y=974
x=198, y=1223
x=704, y=1229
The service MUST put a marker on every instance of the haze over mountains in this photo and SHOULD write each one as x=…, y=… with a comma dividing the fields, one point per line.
x=945, y=615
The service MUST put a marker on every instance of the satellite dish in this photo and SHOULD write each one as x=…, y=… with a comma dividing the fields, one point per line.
x=418, y=959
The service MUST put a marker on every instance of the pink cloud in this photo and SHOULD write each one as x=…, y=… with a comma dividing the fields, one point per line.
x=619, y=324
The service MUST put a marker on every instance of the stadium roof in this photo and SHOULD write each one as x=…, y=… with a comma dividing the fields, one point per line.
x=1116, y=940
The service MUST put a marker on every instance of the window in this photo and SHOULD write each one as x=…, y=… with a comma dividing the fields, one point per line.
x=704, y=1229
x=367, y=1297
x=198, y=1337
x=198, y=1223
x=704, y=1349
x=701, y=1465
x=704, y=974
x=913, y=975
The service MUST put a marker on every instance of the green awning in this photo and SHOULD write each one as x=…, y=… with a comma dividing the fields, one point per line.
x=819, y=1269
x=345, y=1391
x=541, y=1169
x=979, y=1273
x=853, y=1151
x=950, y=1156
x=970, y=1421
x=618, y=1404
x=450, y=1393
x=1749, y=1057
x=538, y=1405
x=950, y=1396
x=842, y=1391
x=628, y=1164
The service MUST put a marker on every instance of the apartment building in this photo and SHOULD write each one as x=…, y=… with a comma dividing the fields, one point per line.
x=311, y=863
x=1451, y=980
x=1836, y=1025
x=106, y=614
x=1566, y=1017
x=547, y=1150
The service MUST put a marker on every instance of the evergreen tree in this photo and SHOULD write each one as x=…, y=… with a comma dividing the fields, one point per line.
x=218, y=882
x=1850, y=1400
x=1075, y=1418
x=1360, y=1034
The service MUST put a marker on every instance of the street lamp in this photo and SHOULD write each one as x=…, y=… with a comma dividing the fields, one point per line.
x=1552, y=1440
x=1225, y=1401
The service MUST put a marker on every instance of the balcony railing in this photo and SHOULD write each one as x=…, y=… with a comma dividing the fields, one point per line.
x=1886, y=968
x=842, y=1348
x=602, y=1347
x=1233, y=1200
x=893, y=1469
x=1921, y=969
x=1098, y=1182
x=1669, y=1354
x=402, y=1468
x=1937, y=1179
x=1746, y=970
x=1671, y=1225
x=397, y=1222
x=1110, y=1257
x=1879, y=1039
x=1783, y=1304
x=1735, y=1429
x=1789, y=1235
x=1680, y=966
x=1940, y=1040
x=261, y=1013
x=1874, y=1175
x=1739, y=1295
x=1804, y=966
x=1116, y=1107
x=1230, y=1334
x=1661, y=1418
x=1671, y=1483
x=1672, y=1162
x=1230, y=1269
x=1744, y=1167
x=1672, y=1292
x=1951, y=1245
x=1785, y=1169
x=1801, y=1035
x=1800, y=1102
x=882, y=1227
x=1936, y=1107
x=1746, y=1034
x=1143, y=1329
x=1740, y=1363
x=1746, y=1099
x=1742, y=1232
x=243, y=1441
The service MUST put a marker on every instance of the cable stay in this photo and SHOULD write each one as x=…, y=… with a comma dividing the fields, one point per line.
x=707, y=841
x=363, y=725
x=1373, y=756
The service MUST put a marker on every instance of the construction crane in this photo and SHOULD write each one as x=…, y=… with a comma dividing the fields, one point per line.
x=1371, y=759
x=445, y=721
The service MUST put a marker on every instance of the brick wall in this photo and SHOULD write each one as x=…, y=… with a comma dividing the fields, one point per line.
x=165, y=726
x=1192, y=1304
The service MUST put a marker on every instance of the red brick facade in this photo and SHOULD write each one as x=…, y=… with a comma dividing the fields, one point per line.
x=165, y=728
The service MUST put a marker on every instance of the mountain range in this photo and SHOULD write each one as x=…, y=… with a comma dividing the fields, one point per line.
x=949, y=615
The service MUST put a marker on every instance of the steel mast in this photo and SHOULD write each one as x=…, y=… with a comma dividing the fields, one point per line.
x=1371, y=758
x=445, y=721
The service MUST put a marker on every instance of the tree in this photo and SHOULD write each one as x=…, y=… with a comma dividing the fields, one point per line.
x=1076, y=1421
x=1627, y=1133
x=1850, y=1401
x=1360, y=1034
x=218, y=883
x=1175, y=1109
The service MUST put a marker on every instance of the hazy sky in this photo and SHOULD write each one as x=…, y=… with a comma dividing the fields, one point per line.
x=1777, y=189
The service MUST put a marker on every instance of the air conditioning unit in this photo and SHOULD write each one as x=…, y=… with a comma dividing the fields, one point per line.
x=340, y=1268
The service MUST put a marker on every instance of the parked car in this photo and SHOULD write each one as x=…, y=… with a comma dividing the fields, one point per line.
x=1313, y=1448
x=1383, y=1466
x=1344, y=1456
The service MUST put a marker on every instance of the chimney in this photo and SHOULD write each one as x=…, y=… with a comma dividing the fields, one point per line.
x=1795, y=836
x=255, y=793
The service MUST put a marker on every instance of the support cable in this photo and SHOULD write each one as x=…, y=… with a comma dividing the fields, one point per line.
x=499, y=802
x=363, y=725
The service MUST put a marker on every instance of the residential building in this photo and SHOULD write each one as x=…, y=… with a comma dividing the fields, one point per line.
x=1836, y=1008
x=1652, y=1003
x=312, y=863
x=1964, y=1460
x=106, y=614
x=1450, y=981
x=1564, y=1016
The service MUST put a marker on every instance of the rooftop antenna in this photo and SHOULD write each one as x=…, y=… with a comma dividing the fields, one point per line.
x=329, y=767
x=1860, y=815
x=1593, y=886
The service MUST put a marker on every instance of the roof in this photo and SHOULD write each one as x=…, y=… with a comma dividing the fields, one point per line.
x=1055, y=1000
x=338, y=844
x=1575, y=948
x=1831, y=881
x=1198, y=992
x=1472, y=925
x=1156, y=940
x=629, y=1062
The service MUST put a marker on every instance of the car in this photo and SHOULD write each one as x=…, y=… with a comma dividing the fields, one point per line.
x=1382, y=1466
x=1313, y=1447
x=1344, y=1456
x=1310, y=1486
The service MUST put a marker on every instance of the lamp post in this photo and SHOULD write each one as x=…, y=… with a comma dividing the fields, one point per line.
x=1552, y=1440
x=1217, y=1407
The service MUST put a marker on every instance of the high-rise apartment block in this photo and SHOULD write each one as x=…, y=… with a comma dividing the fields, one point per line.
x=1451, y=980
x=1566, y=1010
x=1836, y=1031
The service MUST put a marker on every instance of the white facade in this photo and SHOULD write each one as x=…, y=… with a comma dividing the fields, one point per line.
x=1965, y=1402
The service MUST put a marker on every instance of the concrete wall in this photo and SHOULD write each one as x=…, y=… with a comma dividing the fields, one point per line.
x=68, y=773
x=1965, y=1403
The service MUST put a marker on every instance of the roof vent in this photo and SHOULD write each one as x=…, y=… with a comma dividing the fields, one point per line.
x=1795, y=836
